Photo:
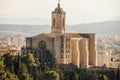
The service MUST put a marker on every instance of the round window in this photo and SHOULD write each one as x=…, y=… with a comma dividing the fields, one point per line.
x=42, y=44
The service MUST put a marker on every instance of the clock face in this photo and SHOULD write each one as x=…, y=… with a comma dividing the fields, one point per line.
x=42, y=44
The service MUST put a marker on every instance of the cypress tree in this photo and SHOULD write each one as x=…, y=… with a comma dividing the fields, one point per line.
x=118, y=74
x=102, y=74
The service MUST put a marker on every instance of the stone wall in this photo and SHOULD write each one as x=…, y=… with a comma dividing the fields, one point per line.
x=57, y=49
x=92, y=49
x=75, y=51
x=84, y=53
x=48, y=41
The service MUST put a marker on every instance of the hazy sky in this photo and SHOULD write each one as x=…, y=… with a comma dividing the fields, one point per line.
x=77, y=11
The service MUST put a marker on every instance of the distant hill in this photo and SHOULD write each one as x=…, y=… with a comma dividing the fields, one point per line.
x=99, y=27
x=7, y=29
x=24, y=20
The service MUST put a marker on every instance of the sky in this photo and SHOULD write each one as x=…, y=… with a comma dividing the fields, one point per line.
x=39, y=11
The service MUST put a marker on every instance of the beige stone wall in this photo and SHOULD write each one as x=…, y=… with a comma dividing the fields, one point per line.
x=49, y=42
x=67, y=49
x=82, y=51
x=75, y=55
x=28, y=42
x=58, y=23
x=92, y=50
x=76, y=51
x=63, y=49
x=57, y=49
x=83, y=47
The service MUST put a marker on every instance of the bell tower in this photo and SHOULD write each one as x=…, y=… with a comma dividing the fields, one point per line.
x=58, y=20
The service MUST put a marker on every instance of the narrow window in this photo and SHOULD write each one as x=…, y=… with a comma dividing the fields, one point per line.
x=66, y=56
x=53, y=22
x=62, y=56
x=63, y=22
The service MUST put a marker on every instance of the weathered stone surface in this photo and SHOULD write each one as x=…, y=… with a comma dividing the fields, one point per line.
x=76, y=48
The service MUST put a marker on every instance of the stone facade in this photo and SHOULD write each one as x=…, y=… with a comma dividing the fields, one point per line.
x=58, y=20
x=76, y=48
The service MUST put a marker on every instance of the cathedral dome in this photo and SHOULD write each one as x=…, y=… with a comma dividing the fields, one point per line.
x=58, y=9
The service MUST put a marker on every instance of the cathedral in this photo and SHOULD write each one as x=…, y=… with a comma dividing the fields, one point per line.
x=76, y=48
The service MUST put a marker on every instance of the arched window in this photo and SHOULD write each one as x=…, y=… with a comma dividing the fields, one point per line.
x=42, y=44
x=62, y=56
x=63, y=22
x=54, y=22
x=62, y=51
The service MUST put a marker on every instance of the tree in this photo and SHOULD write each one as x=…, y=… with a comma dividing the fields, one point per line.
x=44, y=68
x=51, y=75
x=87, y=75
x=91, y=76
x=10, y=76
x=30, y=63
x=53, y=64
x=9, y=62
x=2, y=71
x=39, y=75
x=102, y=74
x=17, y=64
x=70, y=75
x=23, y=74
x=61, y=74
x=103, y=78
x=118, y=74
x=5, y=74
x=29, y=60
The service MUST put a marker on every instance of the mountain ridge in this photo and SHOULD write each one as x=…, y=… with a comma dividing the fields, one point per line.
x=98, y=27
